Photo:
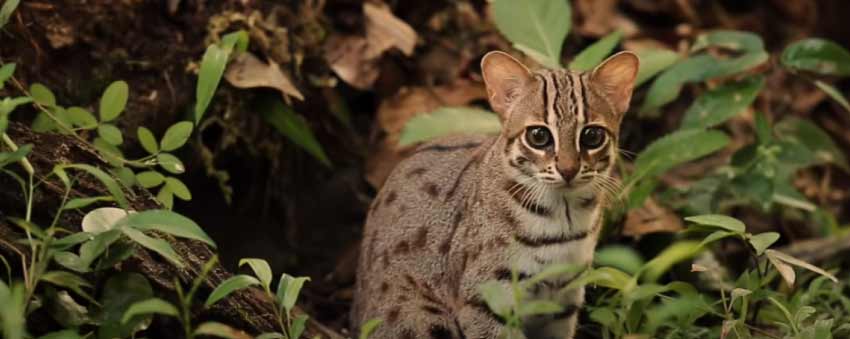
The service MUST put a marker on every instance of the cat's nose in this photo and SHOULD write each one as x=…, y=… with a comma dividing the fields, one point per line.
x=567, y=169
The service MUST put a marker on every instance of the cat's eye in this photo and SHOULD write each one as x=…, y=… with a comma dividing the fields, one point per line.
x=592, y=137
x=538, y=137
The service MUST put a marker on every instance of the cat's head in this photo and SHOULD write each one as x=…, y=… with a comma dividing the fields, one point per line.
x=561, y=126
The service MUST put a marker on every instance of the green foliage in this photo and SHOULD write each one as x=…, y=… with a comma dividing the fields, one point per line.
x=292, y=125
x=446, y=121
x=652, y=62
x=113, y=101
x=817, y=55
x=536, y=27
x=722, y=103
x=9, y=6
x=594, y=54
x=212, y=68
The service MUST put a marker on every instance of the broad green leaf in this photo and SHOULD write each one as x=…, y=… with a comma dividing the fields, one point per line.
x=6, y=13
x=176, y=136
x=232, y=284
x=722, y=103
x=817, y=55
x=552, y=271
x=71, y=261
x=298, y=326
x=82, y=118
x=595, y=53
x=603, y=276
x=43, y=123
x=42, y=95
x=833, y=93
x=13, y=310
x=212, y=68
x=650, y=290
x=165, y=197
x=446, y=121
x=292, y=291
x=668, y=84
x=799, y=263
x=157, y=245
x=91, y=250
x=603, y=316
x=368, y=327
x=166, y=222
x=536, y=27
x=292, y=125
x=178, y=188
x=150, y=179
x=150, y=306
x=170, y=163
x=110, y=183
x=538, y=307
x=64, y=243
x=675, y=253
x=814, y=138
x=216, y=329
x=6, y=72
x=653, y=61
x=125, y=176
x=68, y=280
x=120, y=291
x=720, y=221
x=113, y=100
x=113, y=154
x=497, y=297
x=674, y=149
x=147, y=140
x=715, y=236
x=102, y=219
x=621, y=257
x=762, y=242
x=261, y=269
x=110, y=134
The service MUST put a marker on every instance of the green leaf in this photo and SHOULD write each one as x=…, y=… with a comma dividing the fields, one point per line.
x=18, y=155
x=102, y=219
x=720, y=221
x=722, y=103
x=113, y=101
x=74, y=239
x=446, y=121
x=166, y=222
x=149, y=179
x=42, y=95
x=807, y=133
x=6, y=13
x=170, y=163
x=110, y=134
x=112, y=154
x=91, y=250
x=110, y=183
x=817, y=55
x=68, y=280
x=150, y=306
x=13, y=306
x=120, y=291
x=81, y=117
x=833, y=93
x=157, y=245
x=538, y=307
x=536, y=27
x=178, y=188
x=675, y=253
x=125, y=176
x=212, y=68
x=216, y=329
x=595, y=53
x=621, y=257
x=368, y=327
x=762, y=242
x=6, y=72
x=674, y=149
x=799, y=263
x=232, y=284
x=715, y=236
x=653, y=61
x=291, y=291
x=497, y=297
x=63, y=334
x=603, y=276
x=165, y=197
x=669, y=83
x=292, y=125
x=176, y=136
x=261, y=269
x=147, y=140
x=298, y=326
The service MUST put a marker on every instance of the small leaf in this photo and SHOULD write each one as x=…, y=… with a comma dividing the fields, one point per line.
x=446, y=121
x=121, y=290
x=799, y=263
x=261, y=269
x=149, y=179
x=293, y=126
x=166, y=222
x=675, y=253
x=817, y=55
x=538, y=307
x=715, y=236
x=178, y=188
x=6, y=13
x=833, y=93
x=293, y=290
x=147, y=140
x=150, y=306
x=762, y=242
x=621, y=257
x=125, y=176
x=176, y=136
x=165, y=197
x=595, y=53
x=157, y=245
x=113, y=101
x=110, y=183
x=368, y=327
x=42, y=95
x=720, y=221
x=84, y=202
x=653, y=61
x=674, y=149
x=298, y=326
x=722, y=103
x=232, y=284
x=82, y=118
x=6, y=72
x=102, y=219
x=212, y=68
x=170, y=163
x=110, y=134
x=216, y=329
x=538, y=27
x=497, y=297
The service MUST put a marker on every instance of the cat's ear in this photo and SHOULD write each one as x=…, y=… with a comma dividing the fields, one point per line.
x=504, y=76
x=615, y=78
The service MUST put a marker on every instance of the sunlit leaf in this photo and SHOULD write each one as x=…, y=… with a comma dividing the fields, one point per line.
x=261, y=269
x=147, y=139
x=799, y=263
x=149, y=179
x=618, y=256
x=292, y=291
x=496, y=296
x=538, y=307
x=170, y=163
x=537, y=27
x=81, y=117
x=166, y=222
x=110, y=134
x=113, y=100
x=42, y=95
x=176, y=136
x=150, y=306
x=178, y=188
x=653, y=61
x=817, y=55
x=449, y=120
x=675, y=253
x=762, y=242
x=102, y=219
x=720, y=221
x=212, y=68
x=595, y=53
x=110, y=183
x=232, y=284
x=722, y=103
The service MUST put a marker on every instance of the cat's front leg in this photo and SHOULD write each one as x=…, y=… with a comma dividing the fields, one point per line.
x=477, y=321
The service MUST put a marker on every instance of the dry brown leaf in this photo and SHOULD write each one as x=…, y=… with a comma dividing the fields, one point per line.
x=394, y=112
x=355, y=58
x=651, y=218
x=248, y=71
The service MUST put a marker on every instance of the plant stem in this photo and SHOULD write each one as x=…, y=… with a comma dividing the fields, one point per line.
x=24, y=162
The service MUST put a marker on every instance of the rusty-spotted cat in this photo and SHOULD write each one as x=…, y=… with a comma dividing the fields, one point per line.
x=463, y=210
